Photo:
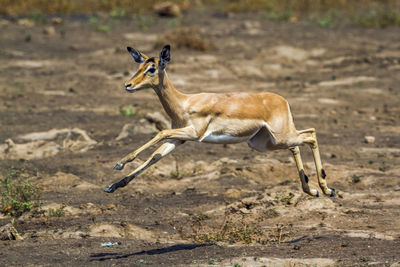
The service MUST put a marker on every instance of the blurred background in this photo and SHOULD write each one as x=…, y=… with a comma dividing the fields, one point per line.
x=327, y=13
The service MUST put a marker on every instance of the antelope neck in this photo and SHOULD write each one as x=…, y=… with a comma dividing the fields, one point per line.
x=171, y=99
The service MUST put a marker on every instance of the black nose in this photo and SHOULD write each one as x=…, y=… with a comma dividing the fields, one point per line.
x=128, y=85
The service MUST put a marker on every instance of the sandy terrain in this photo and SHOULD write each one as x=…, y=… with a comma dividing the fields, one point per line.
x=60, y=100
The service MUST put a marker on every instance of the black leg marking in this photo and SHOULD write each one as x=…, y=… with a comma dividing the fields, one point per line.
x=323, y=173
x=127, y=179
x=317, y=195
x=119, y=184
x=303, y=175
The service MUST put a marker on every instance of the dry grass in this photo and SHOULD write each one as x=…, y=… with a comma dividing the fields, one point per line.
x=368, y=13
x=15, y=7
x=235, y=228
x=186, y=37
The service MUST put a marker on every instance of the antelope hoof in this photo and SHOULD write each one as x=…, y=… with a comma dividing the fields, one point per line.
x=313, y=192
x=332, y=194
x=118, y=166
x=110, y=189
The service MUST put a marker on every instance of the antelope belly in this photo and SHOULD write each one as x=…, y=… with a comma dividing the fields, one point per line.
x=223, y=139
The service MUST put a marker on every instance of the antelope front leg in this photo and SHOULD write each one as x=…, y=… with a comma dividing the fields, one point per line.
x=161, y=152
x=187, y=133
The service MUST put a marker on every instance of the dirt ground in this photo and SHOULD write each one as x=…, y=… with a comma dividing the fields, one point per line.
x=66, y=86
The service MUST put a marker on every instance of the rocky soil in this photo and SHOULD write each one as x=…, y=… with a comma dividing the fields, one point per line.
x=61, y=95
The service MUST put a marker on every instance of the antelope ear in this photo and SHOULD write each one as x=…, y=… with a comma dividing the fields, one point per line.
x=137, y=56
x=165, y=56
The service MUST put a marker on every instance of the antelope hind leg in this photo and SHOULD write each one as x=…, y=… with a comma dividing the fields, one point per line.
x=309, y=137
x=303, y=177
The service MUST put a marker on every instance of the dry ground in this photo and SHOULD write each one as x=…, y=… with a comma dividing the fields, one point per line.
x=344, y=82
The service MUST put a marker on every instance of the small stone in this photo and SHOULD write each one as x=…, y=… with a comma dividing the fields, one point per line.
x=8, y=232
x=167, y=9
x=56, y=20
x=73, y=47
x=233, y=193
x=25, y=22
x=127, y=130
x=249, y=25
x=245, y=211
x=111, y=207
x=50, y=30
x=4, y=22
x=369, y=139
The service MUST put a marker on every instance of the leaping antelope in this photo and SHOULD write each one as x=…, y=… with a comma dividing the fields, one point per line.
x=263, y=120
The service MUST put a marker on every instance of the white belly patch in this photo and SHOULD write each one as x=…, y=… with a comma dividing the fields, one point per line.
x=223, y=139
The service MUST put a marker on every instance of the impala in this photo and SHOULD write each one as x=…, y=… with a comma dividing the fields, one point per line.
x=263, y=120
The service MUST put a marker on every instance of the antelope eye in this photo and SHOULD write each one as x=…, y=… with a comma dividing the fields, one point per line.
x=152, y=70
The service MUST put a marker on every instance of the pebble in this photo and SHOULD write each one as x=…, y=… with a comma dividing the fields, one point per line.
x=50, y=30
x=369, y=139
x=167, y=9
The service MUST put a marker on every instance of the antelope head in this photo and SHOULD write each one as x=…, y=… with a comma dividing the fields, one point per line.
x=151, y=69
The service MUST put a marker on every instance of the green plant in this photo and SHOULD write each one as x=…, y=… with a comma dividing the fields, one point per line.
x=38, y=18
x=286, y=200
x=141, y=261
x=174, y=174
x=271, y=213
x=103, y=28
x=356, y=178
x=144, y=21
x=284, y=15
x=384, y=167
x=174, y=23
x=93, y=20
x=212, y=261
x=118, y=12
x=128, y=110
x=17, y=193
x=383, y=16
x=28, y=38
x=58, y=212
x=326, y=19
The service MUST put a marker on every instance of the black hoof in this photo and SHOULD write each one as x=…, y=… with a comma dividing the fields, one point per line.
x=332, y=192
x=109, y=189
x=118, y=167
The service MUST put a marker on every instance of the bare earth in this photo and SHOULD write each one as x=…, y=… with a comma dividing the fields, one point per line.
x=68, y=86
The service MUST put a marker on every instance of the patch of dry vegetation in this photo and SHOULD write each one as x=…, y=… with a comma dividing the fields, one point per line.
x=186, y=37
x=15, y=7
x=367, y=13
x=235, y=228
